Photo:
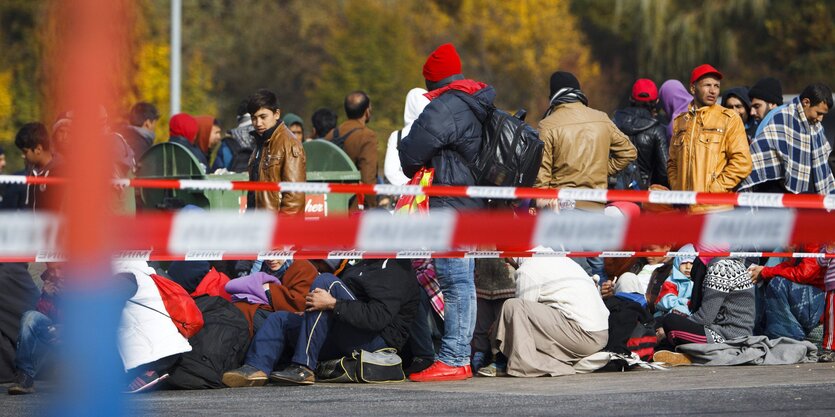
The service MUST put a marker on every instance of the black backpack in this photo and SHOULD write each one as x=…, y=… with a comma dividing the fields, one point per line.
x=240, y=155
x=511, y=151
x=218, y=347
x=629, y=178
x=340, y=140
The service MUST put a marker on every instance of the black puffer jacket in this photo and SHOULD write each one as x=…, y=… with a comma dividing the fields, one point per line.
x=650, y=139
x=387, y=298
x=447, y=137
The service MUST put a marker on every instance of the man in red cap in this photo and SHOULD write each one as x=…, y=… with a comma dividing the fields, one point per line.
x=647, y=134
x=709, y=148
x=447, y=137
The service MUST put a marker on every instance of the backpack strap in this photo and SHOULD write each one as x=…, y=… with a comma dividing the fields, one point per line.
x=399, y=137
x=340, y=140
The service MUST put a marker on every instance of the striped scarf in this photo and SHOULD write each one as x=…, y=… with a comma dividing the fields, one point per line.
x=566, y=95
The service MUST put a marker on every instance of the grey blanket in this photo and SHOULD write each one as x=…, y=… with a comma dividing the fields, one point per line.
x=752, y=350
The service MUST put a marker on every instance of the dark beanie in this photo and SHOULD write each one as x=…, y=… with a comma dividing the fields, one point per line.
x=767, y=89
x=563, y=79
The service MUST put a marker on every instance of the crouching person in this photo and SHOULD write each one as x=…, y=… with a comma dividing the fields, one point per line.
x=371, y=306
x=556, y=319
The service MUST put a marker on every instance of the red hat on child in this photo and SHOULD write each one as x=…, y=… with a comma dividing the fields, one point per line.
x=184, y=125
x=442, y=63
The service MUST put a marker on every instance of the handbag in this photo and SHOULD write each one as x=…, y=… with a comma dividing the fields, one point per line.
x=376, y=367
x=408, y=204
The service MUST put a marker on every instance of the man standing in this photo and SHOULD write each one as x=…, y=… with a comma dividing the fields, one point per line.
x=645, y=132
x=33, y=141
x=140, y=133
x=358, y=141
x=709, y=149
x=582, y=146
x=447, y=137
x=278, y=156
x=737, y=100
x=765, y=96
x=790, y=154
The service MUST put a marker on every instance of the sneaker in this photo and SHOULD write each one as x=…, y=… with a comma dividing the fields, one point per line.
x=479, y=360
x=245, y=376
x=440, y=371
x=24, y=384
x=826, y=355
x=493, y=370
x=671, y=358
x=145, y=382
x=418, y=364
x=294, y=374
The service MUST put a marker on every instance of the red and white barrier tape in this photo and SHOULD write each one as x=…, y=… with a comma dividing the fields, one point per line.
x=764, y=200
x=229, y=235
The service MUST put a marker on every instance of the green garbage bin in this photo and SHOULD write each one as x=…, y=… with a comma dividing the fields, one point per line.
x=169, y=160
x=327, y=162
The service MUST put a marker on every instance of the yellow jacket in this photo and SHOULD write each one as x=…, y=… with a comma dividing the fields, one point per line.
x=709, y=152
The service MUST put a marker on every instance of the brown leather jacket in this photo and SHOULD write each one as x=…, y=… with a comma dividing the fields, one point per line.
x=709, y=152
x=282, y=160
x=582, y=149
x=361, y=147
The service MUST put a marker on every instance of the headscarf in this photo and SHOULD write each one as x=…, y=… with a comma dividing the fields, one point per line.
x=204, y=132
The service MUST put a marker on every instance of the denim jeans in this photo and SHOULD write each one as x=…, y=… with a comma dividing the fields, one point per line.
x=791, y=309
x=34, y=342
x=456, y=278
x=278, y=332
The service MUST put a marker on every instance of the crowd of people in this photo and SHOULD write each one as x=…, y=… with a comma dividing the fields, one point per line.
x=451, y=319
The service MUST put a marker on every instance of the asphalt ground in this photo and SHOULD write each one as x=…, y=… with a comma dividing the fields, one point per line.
x=796, y=390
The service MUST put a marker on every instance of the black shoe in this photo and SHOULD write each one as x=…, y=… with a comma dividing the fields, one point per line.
x=418, y=364
x=294, y=374
x=24, y=384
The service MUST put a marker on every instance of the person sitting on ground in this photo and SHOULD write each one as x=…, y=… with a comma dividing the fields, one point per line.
x=677, y=289
x=828, y=343
x=39, y=332
x=370, y=307
x=556, y=319
x=495, y=283
x=727, y=311
x=794, y=296
x=281, y=286
x=182, y=129
x=149, y=342
x=646, y=276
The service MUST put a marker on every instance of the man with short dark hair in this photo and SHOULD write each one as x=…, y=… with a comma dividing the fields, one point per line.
x=323, y=120
x=278, y=156
x=140, y=132
x=358, y=141
x=790, y=154
x=33, y=140
x=709, y=148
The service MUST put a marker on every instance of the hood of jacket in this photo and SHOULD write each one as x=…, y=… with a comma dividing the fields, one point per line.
x=633, y=120
x=242, y=135
x=415, y=103
x=674, y=100
x=739, y=92
x=482, y=93
x=204, y=132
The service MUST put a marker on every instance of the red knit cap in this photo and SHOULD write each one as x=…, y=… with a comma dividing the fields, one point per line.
x=184, y=125
x=442, y=63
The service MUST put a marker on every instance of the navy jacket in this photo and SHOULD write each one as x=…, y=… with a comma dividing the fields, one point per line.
x=447, y=137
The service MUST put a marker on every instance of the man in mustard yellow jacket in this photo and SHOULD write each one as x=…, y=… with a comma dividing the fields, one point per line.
x=709, y=149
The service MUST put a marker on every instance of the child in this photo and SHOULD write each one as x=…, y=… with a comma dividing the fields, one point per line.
x=677, y=289
x=827, y=354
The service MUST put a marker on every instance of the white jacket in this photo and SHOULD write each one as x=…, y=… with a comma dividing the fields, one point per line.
x=146, y=335
x=415, y=103
x=561, y=283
